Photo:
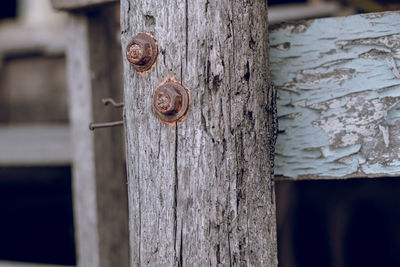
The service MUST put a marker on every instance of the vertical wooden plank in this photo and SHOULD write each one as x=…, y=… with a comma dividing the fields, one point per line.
x=99, y=180
x=201, y=192
x=83, y=146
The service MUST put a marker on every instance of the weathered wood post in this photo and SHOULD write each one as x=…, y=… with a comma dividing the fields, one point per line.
x=201, y=192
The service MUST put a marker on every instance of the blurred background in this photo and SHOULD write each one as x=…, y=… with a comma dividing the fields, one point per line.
x=36, y=217
x=320, y=223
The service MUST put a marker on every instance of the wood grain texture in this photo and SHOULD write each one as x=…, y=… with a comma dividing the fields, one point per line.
x=99, y=180
x=201, y=192
x=338, y=96
x=78, y=4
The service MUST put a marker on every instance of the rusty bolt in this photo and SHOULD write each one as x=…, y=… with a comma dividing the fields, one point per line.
x=136, y=54
x=142, y=52
x=170, y=101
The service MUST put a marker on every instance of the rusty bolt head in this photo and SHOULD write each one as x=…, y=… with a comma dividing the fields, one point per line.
x=136, y=54
x=170, y=101
x=142, y=52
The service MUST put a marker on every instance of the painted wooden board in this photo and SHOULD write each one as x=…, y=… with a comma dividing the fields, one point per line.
x=35, y=145
x=78, y=4
x=338, y=87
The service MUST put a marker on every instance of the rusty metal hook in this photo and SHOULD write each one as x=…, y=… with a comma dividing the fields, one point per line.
x=111, y=101
x=107, y=101
x=93, y=126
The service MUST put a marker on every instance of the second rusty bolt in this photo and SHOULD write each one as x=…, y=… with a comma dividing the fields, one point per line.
x=168, y=100
x=171, y=101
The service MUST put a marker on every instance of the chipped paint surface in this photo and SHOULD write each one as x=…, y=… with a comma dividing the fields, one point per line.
x=338, y=87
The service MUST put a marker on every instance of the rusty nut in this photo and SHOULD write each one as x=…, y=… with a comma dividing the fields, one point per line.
x=171, y=101
x=168, y=100
x=142, y=52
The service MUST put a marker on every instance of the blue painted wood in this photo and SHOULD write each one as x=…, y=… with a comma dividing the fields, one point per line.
x=338, y=87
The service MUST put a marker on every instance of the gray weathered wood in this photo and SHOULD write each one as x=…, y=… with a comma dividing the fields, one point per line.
x=78, y=4
x=338, y=96
x=33, y=145
x=201, y=193
x=99, y=180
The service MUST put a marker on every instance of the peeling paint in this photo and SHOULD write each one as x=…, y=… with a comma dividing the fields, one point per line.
x=373, y=16
x=294, y=27
x=393, y=67
x=284, y=46
x=338, y=97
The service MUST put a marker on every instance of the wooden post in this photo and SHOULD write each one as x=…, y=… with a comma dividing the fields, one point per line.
x=99, y=180
x=201, y=192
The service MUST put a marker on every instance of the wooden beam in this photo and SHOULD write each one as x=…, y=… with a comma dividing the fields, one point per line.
x=78, y=4
x=35, y=145
x=99, y=180
x=201, y=191
x=22, y=38
x=338, y=96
